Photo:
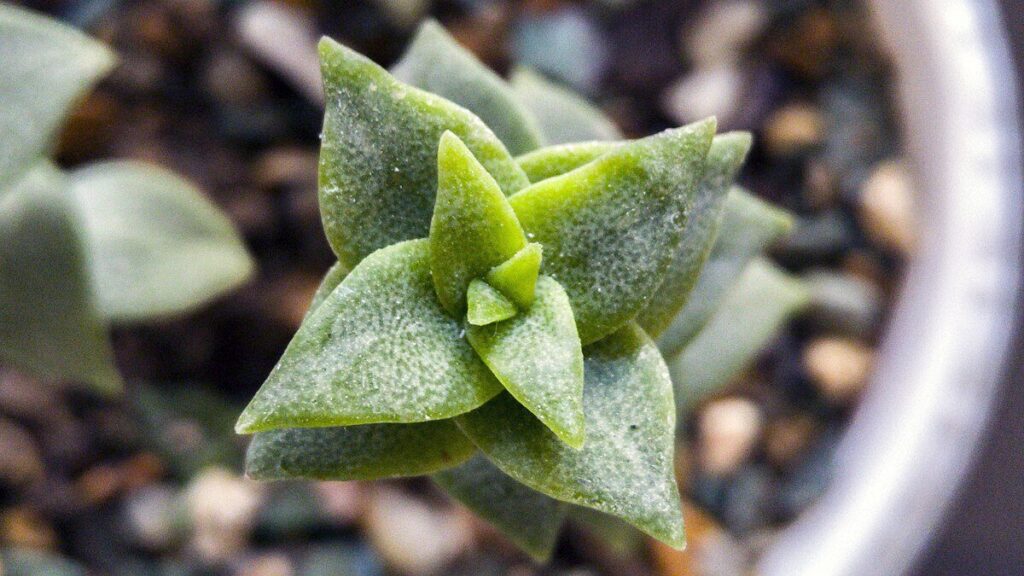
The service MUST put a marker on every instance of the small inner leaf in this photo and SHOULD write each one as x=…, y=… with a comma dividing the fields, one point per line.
x=334, y=276
x=378, y=157
x=379, y=349
x=749, y=315
x=611, y=227
x=557, y=160
x=563, y=115
x=626, y=467
x=487, y=305
x=365, y=452
x=517, y=276
x=537, y=357
x=724, y=160
x=527, y=517
x=473, y=228
x=437, y=63
x=749, y=225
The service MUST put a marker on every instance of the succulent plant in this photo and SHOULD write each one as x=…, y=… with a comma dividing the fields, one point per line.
x=112, y=242
x=491, y=318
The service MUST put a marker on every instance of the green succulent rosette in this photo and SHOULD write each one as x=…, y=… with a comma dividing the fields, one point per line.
x=492, y=318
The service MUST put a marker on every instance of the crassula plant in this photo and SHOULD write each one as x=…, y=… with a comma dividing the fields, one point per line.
x=110, y=243
x=491, y=318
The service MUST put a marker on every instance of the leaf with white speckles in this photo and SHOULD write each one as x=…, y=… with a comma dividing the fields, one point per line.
x=364, y=452
x=379, y=349
x=556, y=160
x=473, y=228
x=749, y=225
x=749, y=315
x=378, y=156
x=611, y=227
x=537, y=357
x=334, y=276
x=724, y=160
x=626, y=466
x=528, y=518
x=437, y=63
x=487, y=305
x=563, y=116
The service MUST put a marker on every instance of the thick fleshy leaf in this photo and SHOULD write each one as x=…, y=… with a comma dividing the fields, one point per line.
x=379, y=349
x=537, y=357
x=435, y=62
x=487, y=305
x=516, y=277
x=724, y=160
x=157, y=247
x=563, y=116
x=49, y=324
x=625, y=468
x=47, y=67
x=378, y=155
x=473, y=228
x=751, y=313
x=561, y=158
x=749, y=225
x=611, y=227
x=364, y=452
x=528, y=518
x=334, y=276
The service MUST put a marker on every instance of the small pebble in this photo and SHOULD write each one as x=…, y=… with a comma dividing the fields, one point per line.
x=272, y=564
x=729, y=430
x=723, y=30
x=839, y=367
x=342, y=502
x=411, y=536
x=223, y=509
x=793, y=129
x=151, y=513
x=713, y=91
x=787, y=438
x=887, y=207
x=23, y=528
x=287, y=165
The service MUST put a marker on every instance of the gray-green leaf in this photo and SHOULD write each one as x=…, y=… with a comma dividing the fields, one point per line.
x=157, y=247
x=46, y=68
x=49, y=324
x=379, y=349
x=528, y=518
x=557, y=160
x=334, y=276
x=611, y=227
x=365, y=452
x=750, y=314
x=626, y=466
x=537, y=357
x=435, y=62
x=724, y=160
x=749, y=225
x=563, y=116
x=378, y=158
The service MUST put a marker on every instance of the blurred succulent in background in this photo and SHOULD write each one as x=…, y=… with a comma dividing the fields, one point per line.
x=113, y=242
x=502, y=322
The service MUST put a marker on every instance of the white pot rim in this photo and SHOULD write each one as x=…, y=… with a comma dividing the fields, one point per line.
x=945, y=352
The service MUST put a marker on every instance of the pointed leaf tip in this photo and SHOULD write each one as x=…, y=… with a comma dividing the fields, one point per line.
x=516, y=277
x=611, y=227
x=473, y=227
x=378, y=349
x=378, y=157
x=537, y=357
x=485, y=305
